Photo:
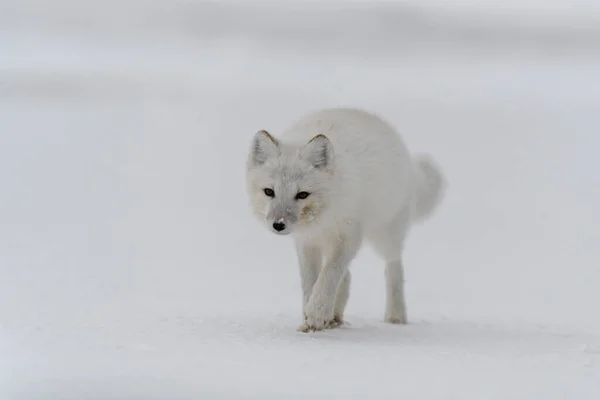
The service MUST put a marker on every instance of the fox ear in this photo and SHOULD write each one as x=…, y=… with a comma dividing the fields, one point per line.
x=264, y=146
x=319, y=152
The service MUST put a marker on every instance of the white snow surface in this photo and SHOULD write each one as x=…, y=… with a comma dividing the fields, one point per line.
x=131, y=267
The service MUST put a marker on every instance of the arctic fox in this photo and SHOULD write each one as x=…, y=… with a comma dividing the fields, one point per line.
x=333, y=178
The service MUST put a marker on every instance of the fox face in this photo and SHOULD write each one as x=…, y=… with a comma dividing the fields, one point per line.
x=289, y=184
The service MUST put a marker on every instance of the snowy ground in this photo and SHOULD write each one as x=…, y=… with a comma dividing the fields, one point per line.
x=131, y=268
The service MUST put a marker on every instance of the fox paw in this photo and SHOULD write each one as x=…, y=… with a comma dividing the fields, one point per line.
x=317, y=321
x=396, y=320
x=334, y=323
x=331, y=324
x=305, y=327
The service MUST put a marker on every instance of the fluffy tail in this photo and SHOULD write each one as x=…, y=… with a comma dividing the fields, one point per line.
x=429, y=184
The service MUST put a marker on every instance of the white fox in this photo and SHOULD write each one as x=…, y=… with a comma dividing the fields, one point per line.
x=334, y=177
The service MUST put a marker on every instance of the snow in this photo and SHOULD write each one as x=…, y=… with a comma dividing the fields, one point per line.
x=131, y=267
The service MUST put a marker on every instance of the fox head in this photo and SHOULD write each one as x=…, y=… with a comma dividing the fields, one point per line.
x=289, y=184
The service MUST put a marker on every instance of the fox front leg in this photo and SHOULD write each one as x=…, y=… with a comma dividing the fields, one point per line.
x=319, y=311
x=310, y=261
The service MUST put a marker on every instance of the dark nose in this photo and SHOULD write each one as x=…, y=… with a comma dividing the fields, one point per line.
x=278, y=226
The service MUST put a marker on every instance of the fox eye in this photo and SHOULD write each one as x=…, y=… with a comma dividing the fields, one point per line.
x=302, y=195
x=269, y=192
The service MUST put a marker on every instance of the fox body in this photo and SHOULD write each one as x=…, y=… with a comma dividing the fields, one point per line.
x=335, y=178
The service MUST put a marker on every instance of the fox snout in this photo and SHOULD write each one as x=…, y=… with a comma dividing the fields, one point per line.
x=281, y=220
x=280, y=227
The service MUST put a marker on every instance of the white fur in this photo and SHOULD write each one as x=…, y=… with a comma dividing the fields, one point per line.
x=363, y=184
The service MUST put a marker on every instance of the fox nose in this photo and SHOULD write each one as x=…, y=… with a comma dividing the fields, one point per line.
x=278, y=226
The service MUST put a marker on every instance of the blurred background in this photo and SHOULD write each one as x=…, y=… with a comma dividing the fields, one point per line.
x=128, y=254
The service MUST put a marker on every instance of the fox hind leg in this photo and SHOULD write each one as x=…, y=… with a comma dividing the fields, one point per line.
x=395, y=308
x=389, y=243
